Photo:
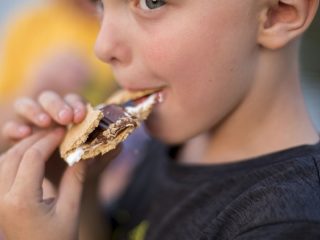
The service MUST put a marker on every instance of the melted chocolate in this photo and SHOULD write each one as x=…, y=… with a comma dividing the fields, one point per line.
x=111, y=113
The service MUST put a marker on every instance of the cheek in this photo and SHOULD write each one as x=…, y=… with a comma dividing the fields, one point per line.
x=162, y=55
x=190, y=62
x=206, y=68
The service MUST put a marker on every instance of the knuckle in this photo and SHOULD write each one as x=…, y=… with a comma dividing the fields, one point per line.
x=15, y=204
x=47, y=96
x=21, y=103
x=13, y=153
x=71, y=96
x=33, y=153
x=5, y=130
x=47, y=93
x=9, y=130
x=80, y=175
x=26, y=107
x=51, y=102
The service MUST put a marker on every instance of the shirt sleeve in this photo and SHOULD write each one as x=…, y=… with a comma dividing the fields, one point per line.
x=283, y=231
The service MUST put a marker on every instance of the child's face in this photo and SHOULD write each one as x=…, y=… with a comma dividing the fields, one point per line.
x=202, y=51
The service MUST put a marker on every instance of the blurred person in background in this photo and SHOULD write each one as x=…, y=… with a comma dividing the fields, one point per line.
x=51, y=48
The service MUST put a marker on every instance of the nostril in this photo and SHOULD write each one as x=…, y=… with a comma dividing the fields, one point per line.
x=113, y=60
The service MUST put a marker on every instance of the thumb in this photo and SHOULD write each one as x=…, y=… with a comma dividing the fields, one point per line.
x=97, y=165
x=69, y=200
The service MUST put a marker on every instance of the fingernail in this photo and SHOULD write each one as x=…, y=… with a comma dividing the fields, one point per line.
x=43, y=118
x=78, y=113
x=79, y=106
x=63, y=114
x=78, y=110
x=23, y=129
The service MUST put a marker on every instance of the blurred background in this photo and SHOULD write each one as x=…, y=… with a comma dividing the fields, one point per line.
x=7, y=8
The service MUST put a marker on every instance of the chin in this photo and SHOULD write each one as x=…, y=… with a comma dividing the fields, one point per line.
x=165, y=134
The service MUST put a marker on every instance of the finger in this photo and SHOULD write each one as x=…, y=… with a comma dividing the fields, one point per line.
x=30, y=175
x=54, y=105
x=32, y=111
x=55, y=168
x=10, y=161
x=49, y=191
x=97, y=165
x=68, y=203
x=15, y=131
x=79, y=108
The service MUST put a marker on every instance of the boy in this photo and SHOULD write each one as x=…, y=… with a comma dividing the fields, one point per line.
x=229, y=73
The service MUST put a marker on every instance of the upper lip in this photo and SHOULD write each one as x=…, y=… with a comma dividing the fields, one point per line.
x=148, y=88
x=151, y=89
x=139, y=85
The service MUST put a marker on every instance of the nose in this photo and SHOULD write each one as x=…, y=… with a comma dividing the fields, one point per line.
x=112, y=43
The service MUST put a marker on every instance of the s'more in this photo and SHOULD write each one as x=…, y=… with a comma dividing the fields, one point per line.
x=107, y=125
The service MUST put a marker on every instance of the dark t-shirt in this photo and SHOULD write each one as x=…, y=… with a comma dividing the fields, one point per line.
x=275, y=196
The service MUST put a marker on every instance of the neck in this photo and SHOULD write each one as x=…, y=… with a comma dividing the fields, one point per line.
x=272, y=117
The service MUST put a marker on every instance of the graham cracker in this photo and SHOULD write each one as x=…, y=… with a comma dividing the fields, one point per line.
x=116, y=133
x=92, y=151
x=123, y=96
x=78, y=134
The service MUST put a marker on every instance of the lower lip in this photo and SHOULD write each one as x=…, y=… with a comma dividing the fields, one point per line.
x=160, y=97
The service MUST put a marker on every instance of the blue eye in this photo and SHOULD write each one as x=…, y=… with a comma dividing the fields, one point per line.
x=151, y=4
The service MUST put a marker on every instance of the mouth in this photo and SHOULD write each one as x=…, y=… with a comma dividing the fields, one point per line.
x=134, y=97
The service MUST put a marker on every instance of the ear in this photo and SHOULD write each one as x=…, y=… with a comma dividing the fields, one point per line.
x=284, y=20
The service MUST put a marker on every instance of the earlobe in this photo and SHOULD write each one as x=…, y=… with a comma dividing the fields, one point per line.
x=285, y=20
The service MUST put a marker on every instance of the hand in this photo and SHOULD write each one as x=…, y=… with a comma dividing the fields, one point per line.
x=25, y=214
x=63, y=70
x=50, y=109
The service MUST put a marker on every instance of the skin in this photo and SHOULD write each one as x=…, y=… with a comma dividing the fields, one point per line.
x=220, y=97
x=84, y=6
x=189, y=67
x=213, y=86
x=21, y=193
